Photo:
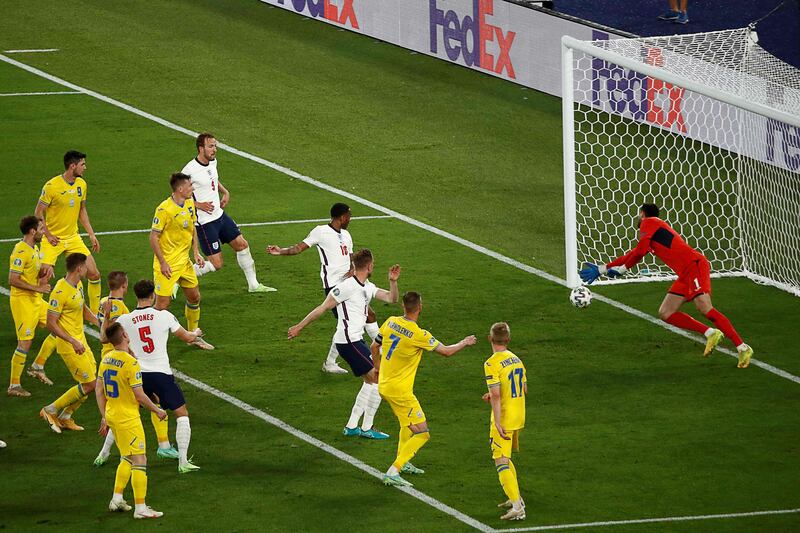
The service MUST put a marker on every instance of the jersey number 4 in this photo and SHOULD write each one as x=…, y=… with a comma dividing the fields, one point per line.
x=147, y=342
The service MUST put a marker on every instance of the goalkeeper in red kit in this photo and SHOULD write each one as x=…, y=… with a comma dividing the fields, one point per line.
x=693, y=283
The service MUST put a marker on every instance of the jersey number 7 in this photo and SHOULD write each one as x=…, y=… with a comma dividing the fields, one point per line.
x=147, y=342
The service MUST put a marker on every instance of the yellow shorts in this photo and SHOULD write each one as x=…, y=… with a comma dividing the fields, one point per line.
x=70, y=245
x=129, y=436
x=183, y=275
x=82, y=367
x=407, y=409
x=502, y=447
x=29, y=312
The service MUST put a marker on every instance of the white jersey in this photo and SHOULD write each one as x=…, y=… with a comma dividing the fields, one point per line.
x=206, y=188
x=353, y=299
x=334, y=248
x=149, y=329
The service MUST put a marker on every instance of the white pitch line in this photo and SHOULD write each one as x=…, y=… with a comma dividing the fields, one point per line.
x=47, y=93
x=649, y=520
x=31, y=51
x=442, y=233
x=305, y=437
x=248, y=224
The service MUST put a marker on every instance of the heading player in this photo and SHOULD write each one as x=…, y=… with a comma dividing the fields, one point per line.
x=508, y=387
x=65, y=317
x=693, y=283
x=27, y=306
x=335, y=246
x=149, y=330
x=214, y=226
x=171, y=236
x=61, y=204
x=352, y=297
x=397, y=352
x=118, y=398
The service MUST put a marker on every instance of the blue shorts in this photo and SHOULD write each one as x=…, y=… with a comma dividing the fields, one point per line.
x=169, y=394
x=213, y=235
x=357, y=355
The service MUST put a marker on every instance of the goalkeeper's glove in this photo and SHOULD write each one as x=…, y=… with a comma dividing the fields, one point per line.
x=616, y=272
x=590, y=272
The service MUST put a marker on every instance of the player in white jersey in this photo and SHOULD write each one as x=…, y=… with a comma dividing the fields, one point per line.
x=214, y=226
x=149, y=329
x=351, y=298
x=335, y=246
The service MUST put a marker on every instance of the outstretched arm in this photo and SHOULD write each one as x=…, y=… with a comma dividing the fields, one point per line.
x=393, y=294
x=300, y=247
x=329, y=303
x=452, y=349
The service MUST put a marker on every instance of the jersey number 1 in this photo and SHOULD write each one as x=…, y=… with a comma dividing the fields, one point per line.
x=516, y=390
x=147, y=342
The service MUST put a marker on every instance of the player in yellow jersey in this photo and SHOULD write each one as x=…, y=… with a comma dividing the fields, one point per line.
x=398, y=351
x=65, y=318
x=113, y=306
x=27, y=306
x=61, y=205
x=119, y=394
x=172, y=235
x=508, y=386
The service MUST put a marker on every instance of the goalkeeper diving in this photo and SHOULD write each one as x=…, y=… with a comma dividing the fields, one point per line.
x=693, y=283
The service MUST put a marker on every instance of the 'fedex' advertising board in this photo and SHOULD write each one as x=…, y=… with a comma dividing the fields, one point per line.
x=491, y=36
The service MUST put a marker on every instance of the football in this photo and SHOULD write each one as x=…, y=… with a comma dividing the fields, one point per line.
x=580, y=296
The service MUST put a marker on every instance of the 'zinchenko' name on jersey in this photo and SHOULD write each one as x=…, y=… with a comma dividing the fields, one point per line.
x=510, y=361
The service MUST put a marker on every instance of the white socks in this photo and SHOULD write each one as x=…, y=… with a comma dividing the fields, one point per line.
x=372, y=329
x=709, y=332
x=205, y=269
x=333, y=353
x=183, y=434
x=248, y=266
x=373, y=402
x=359, y=406
x=393, y=471
x=107, y=444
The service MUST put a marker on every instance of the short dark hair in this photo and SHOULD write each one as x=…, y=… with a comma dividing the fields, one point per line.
x=649, y=210
x=144, y=288
x=72, y=157
x=411, y=301
x=74, y=261
x=201, y=139
x=362, y=258
x=28, y=223
x=114, y=333
x=176, y=179
x=338, y=209
x=116, y=279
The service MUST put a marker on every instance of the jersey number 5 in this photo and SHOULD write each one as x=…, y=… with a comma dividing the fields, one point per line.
x=147, y=342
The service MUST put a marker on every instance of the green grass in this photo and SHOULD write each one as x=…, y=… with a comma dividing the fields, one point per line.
x=625, y=419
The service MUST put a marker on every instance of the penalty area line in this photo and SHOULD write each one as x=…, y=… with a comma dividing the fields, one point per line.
x=649, y=520
x=391, y=212
x=31, y=51
x=45, y=93
x=246, y=224
x=313, y=441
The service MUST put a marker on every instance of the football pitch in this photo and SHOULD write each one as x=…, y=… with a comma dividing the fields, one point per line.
x=452, y=174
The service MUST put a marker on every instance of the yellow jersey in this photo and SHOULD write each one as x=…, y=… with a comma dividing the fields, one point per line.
x=25, y=261
x=121, y=374
x=402, y=344
x=118, y=308
x=505, y=370
x=175, y=225
x=63, y=201
x=66, y=301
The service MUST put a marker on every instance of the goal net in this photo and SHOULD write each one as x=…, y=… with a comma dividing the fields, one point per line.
x=706, y=126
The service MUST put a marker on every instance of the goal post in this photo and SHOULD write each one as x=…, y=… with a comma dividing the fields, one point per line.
x=707, y=126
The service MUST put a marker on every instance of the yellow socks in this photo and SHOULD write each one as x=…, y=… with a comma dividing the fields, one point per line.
x=47, y=349
x=123, y=475
x=410, y=448
x=71, y=408
x=139, y=482
x=508, y=479
x=192, y=313
x=17, y=365
x=161, y=427
x=72, y=395
x=405, y=434
x=93, y=295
